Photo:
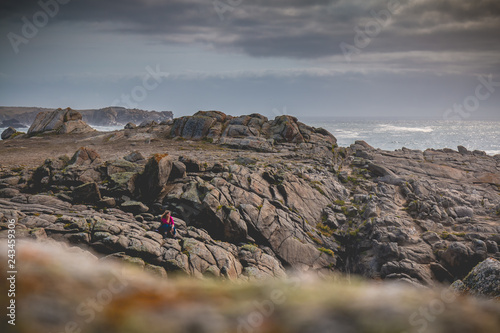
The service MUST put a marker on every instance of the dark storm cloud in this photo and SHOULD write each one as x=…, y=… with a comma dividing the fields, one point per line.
x=295, y=28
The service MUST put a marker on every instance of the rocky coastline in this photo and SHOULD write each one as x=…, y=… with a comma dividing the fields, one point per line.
x=254, y=199
x=252, y=187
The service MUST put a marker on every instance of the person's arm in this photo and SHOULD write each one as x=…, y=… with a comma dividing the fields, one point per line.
x=172, y=221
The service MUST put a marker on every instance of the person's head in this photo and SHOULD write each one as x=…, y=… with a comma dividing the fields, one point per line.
x=166, y=214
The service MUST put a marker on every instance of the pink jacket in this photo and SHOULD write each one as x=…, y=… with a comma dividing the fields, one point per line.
x=165, y=221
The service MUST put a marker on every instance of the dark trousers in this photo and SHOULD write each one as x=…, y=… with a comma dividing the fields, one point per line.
x=166, y=228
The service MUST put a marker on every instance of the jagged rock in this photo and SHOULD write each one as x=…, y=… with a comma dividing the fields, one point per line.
x=8, y=133
x=84, y=156
x=59, y=122
x=87, y=193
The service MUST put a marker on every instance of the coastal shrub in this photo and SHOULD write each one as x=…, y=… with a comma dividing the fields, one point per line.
x=327, y=251
x=314, y=238
x=324, y=229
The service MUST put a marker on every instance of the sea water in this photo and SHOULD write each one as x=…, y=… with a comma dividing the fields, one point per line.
x=396, y=134
x=415, y=134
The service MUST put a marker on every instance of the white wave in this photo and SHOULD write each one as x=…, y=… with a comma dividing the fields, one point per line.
x=392, y=128
x=346, y=134
x=107, y=128
x=492, y=152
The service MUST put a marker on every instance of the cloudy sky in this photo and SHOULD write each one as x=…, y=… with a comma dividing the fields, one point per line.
x=356, y=58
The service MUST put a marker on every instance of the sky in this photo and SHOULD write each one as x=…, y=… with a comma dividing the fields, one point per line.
x=308, y=58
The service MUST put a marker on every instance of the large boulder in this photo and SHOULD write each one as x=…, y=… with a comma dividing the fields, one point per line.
x=152, y=181
x=8, y=133
x=482, y=280
x=59, y=122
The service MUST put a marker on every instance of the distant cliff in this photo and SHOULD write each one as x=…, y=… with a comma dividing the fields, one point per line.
x=101, y=117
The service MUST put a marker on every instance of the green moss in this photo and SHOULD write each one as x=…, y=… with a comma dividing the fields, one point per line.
x=339, y=202
x=320, y=190
x=445, y=235
x=250, y=247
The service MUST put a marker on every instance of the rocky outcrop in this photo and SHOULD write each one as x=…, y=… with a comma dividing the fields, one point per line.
x=253, y=131
x=59, y=122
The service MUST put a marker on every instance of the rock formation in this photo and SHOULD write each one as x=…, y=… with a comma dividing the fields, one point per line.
x=255, y=198
x=59, y=122
x=252, y=131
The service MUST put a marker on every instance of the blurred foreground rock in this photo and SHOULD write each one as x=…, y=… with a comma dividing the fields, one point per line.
x=62, y=289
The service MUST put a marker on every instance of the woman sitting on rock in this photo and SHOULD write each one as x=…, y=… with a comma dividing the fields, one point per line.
x=167, y=227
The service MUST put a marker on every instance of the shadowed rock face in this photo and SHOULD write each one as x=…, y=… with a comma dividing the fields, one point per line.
x=61, y=288
x=59, y=122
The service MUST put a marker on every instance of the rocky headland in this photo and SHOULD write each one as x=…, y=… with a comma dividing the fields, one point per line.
x=22, y=117
x=255, y=198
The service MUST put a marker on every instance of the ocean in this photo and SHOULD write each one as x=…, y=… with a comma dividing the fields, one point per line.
x=415, y=134
x=395, y=134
